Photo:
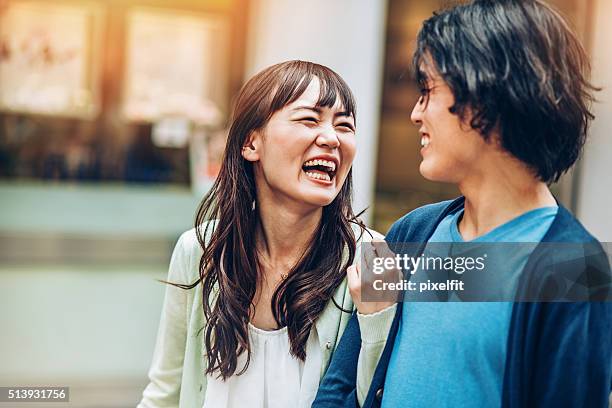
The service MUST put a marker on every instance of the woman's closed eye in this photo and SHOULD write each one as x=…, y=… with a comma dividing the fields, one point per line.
x=308, y=119
x=346, y=126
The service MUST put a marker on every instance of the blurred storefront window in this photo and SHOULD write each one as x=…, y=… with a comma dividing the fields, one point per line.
x=115, y=91
x=111, y=117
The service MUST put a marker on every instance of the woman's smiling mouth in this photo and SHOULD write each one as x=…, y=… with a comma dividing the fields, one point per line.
x=320, y=170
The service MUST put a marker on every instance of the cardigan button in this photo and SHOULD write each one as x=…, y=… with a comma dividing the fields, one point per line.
x=328, y=345
x=379, y=394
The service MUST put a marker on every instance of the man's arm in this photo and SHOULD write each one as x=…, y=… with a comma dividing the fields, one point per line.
x=338, y=386
x=579, y=371
x=566, y=362
x=349, y=377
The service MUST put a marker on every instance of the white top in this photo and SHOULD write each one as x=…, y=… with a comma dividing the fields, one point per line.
x=274, y=378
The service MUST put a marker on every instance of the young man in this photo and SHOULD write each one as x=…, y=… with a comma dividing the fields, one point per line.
x=504, y=112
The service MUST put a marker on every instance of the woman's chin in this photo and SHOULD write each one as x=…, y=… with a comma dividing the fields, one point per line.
x=319, y=200
x=318, y=197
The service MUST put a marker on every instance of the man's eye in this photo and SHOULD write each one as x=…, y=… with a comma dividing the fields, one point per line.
x=308, y=119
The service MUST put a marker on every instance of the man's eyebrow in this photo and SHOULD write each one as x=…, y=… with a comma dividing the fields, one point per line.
x=425, y=75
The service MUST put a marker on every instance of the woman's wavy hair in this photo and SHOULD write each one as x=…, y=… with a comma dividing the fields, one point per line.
x=517, y=68
x=228, y=268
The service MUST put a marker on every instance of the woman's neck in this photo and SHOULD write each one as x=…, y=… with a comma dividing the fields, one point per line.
x=284, y=232
x=499, y=192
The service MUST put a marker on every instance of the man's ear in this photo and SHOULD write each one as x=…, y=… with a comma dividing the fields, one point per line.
x=250, y=150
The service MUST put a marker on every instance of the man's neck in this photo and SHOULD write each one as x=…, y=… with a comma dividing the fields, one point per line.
x=498, y=195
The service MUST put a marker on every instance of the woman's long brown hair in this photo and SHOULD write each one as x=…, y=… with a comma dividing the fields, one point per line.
x=228, y=268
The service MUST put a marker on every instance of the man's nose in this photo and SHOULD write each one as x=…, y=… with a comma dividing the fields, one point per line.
x=417, y=112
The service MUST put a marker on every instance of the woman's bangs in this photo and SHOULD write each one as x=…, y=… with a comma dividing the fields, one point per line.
x=297, y=80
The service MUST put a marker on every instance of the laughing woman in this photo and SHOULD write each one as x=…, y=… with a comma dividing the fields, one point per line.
x=255, y=305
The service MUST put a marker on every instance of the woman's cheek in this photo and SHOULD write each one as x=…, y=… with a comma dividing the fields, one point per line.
x=350, y=150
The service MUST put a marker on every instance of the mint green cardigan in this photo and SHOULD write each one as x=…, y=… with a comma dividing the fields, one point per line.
x=177, y=376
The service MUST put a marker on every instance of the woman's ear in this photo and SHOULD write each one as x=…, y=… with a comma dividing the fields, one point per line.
x=250, y=150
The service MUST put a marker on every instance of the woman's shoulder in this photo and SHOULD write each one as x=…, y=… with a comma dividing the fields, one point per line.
x=189, y=249
x=189, y=239
x=342, y=295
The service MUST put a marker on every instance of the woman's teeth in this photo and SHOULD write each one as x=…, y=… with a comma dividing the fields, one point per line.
x=318, y=176
x=424, y=141
x=327, y=163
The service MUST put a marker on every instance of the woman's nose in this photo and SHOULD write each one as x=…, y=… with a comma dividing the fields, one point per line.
x=328, y=137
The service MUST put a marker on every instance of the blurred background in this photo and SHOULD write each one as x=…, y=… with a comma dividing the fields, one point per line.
x=112, y=125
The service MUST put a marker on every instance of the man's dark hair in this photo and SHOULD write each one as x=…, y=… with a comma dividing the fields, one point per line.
x=517, y=67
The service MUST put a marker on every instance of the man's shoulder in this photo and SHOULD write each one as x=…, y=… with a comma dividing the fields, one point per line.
x=567, y=228
x=418, y=220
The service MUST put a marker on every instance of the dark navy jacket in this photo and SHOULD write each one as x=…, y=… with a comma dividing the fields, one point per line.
x=558, y=354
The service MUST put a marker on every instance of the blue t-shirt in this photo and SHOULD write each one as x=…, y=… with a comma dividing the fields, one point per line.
x=453, y=354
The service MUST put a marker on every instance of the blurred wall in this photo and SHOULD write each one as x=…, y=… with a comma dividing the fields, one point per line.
x=595, y=175
x=346, y=35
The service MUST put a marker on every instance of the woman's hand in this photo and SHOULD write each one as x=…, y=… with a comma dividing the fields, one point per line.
x=365, y=287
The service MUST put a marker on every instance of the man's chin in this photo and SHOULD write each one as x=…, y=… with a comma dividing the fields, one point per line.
x=430, y=173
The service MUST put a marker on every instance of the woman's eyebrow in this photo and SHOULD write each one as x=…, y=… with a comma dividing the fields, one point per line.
x=310, y=108
x=318, y=110
x=344, y=114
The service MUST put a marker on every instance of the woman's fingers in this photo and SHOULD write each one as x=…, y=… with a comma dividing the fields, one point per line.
x=361, y=277
x=354, y=282
x=352, y=273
